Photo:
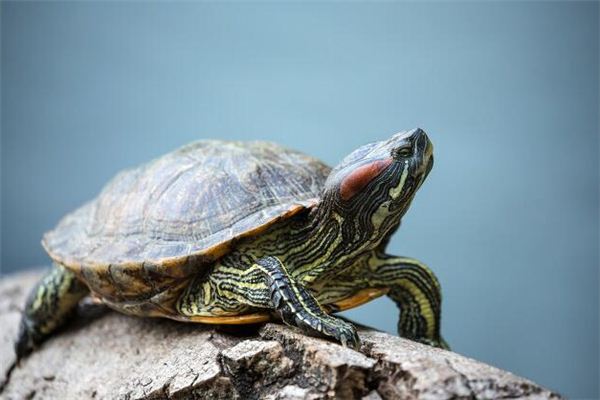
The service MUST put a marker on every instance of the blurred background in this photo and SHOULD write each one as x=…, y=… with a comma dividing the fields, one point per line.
x=508, y=93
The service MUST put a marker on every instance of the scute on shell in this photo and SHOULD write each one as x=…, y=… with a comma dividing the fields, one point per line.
x=188, y=204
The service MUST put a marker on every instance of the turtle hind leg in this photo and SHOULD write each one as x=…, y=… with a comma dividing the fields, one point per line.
x=50, y=303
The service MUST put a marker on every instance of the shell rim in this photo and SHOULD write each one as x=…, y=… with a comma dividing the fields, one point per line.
x=215, y=251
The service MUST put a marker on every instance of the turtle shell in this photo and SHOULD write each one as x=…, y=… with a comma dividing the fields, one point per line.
x=153, y=227
x=171, y=216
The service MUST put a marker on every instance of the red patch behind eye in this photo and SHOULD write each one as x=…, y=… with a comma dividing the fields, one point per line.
x=361, y=176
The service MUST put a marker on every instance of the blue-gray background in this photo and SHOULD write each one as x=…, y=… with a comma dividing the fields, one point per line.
x=508, y=93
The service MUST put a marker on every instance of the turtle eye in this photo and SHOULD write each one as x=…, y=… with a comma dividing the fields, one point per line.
x=404, y=151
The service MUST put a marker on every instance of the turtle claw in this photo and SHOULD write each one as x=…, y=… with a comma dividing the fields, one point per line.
x=327, y=326
x=26, y=340
x=352, y=341
x=342, y=331
x=441, y=343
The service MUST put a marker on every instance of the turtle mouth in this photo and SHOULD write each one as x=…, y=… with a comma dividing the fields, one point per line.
x=423, y=172
x=423, y=145
x=428, y=167
x=423, y=155
x=422, y=161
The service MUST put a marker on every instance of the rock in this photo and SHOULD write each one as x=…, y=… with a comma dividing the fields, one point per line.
x=255, y=363
x=106, y=355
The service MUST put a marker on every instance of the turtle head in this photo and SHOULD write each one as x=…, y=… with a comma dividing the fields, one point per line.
x=376, y=183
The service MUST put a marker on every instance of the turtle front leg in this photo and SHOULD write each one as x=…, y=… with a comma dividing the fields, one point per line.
x=416, y=291
x=268, y=284
x=52, y=300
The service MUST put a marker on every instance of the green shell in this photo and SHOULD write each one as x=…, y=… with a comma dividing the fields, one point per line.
x=185, y=206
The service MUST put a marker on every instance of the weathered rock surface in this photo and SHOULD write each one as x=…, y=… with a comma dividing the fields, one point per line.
x=105, y=355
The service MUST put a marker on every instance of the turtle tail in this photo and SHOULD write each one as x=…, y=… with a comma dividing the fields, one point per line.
x=50, y=303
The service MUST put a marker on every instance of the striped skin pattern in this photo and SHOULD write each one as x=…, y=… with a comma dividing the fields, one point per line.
x=416, y=291
x=298, y=241
x=334, y=251
x=49, y=304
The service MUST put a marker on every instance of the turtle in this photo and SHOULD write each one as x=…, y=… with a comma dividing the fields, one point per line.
x=232, y=232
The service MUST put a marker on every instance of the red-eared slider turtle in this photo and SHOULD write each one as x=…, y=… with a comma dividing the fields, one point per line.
x=224, y=232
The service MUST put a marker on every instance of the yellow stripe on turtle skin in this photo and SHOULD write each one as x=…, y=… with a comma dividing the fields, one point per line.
x=227, y=293
x=425, y=307
x=50, y=302
x=410, y=277
x=359, y=298
x=320, y=261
